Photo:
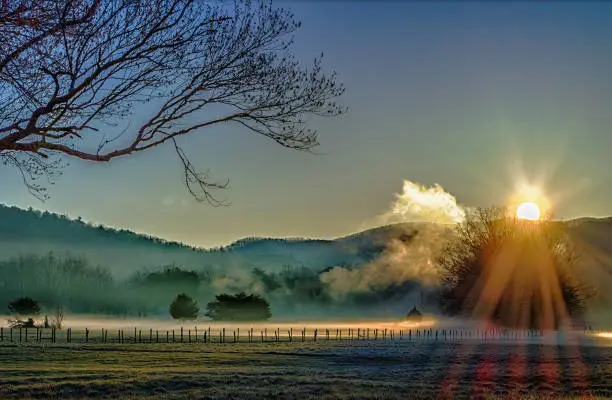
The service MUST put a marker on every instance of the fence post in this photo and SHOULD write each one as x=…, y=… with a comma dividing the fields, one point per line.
x=262, y=337
x=26, y=334
x=173, y=337
x=181, y=334
x=150, y=335
x=157, y=335
x=1, y=334
x=196, y=333
x=86, y=335
x=139, y=335
x=189, y=333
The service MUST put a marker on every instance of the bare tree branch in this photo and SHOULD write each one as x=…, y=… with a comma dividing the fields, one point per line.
x=72, y=71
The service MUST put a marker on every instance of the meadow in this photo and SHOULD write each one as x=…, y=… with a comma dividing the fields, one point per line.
x=580, y=367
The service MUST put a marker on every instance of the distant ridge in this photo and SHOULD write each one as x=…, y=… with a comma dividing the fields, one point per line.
x=124, y=252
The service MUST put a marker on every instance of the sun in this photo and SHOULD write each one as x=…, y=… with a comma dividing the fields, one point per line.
x=528, y=210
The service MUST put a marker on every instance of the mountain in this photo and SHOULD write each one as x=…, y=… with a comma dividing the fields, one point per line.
x=125, y=252
x=383, y=269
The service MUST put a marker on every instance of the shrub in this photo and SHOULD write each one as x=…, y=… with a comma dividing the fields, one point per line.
x=24, y=306
x=184, y=307
x=239, y=307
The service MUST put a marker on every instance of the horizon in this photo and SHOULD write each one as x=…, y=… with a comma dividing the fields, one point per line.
x=147, y=235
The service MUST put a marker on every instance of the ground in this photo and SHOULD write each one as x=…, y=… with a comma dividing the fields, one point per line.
x=345, y=370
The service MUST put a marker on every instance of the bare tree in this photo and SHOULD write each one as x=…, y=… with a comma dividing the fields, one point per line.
x=58, y=317
x=72, y=72
x=520, y=274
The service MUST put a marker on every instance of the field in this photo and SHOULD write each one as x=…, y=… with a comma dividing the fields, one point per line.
x=324, y=369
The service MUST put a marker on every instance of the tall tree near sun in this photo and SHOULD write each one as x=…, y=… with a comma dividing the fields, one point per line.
x=73, y=71
x=511, y=271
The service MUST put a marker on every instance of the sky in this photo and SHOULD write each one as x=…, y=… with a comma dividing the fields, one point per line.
x=468, y=95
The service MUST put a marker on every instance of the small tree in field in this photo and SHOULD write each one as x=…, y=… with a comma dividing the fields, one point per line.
x=184, y=307
x=58, y=317
x=239, y=307
x=515, y=273
x=24, y=307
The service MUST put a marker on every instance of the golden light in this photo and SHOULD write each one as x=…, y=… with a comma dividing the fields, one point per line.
x=528, y=210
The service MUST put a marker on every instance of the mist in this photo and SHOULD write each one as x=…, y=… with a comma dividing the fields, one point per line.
x=380, y=273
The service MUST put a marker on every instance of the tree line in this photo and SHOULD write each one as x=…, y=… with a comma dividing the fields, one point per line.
x=226, y=307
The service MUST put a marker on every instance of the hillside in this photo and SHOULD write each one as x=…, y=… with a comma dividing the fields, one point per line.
x=125, y=252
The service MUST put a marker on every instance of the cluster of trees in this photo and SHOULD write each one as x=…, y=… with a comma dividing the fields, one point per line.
x=226, y=307
x=26, y=307
x=52, y=280
x=73, y=284
x=84, y=288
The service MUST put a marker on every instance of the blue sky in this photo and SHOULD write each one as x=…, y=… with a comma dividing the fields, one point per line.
x=454, y=93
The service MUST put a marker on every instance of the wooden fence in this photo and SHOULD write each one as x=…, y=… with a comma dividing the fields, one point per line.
x=222, y=335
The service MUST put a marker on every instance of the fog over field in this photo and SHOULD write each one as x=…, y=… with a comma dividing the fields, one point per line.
x=378, y=273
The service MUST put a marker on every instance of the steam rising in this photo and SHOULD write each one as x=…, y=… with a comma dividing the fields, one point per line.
x=418, y=203
x=404, y=260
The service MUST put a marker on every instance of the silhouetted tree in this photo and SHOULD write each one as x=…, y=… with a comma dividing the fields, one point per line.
x=515, y=273
x=239, y=307
x=70, y=70
x=24, y=306
x=184, y=307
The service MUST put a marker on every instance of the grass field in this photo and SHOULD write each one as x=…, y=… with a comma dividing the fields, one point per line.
x=393, y=369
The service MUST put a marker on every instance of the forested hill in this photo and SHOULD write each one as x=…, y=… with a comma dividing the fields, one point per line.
x=124, y=252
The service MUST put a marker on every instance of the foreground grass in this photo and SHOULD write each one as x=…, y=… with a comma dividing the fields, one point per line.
x=306, y=370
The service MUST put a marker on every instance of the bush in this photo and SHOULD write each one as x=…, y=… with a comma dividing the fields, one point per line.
x=515, y=273
x=184, y=307
x=24, y=306
x=239, y=307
